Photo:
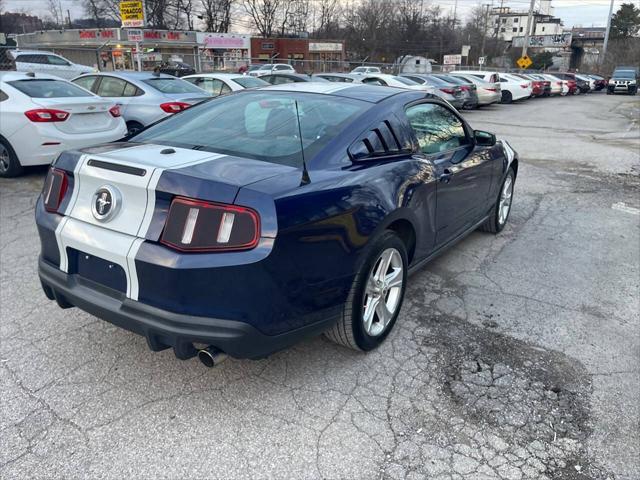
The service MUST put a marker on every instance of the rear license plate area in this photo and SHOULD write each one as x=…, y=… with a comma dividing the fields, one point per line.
x=97, y=270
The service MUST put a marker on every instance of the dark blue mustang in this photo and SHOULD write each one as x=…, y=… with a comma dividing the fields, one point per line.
x=251, y=221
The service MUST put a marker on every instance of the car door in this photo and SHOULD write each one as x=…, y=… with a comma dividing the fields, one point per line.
x=463, y=171
x=118, y=90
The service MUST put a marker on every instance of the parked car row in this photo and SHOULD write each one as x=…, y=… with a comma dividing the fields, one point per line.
x=97, y=107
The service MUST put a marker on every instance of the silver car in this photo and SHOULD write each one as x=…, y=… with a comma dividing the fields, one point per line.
x=488, y=93
x=143, y=97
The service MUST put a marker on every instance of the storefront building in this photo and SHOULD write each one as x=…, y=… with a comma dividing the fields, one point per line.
x=223, y=51
x=111, y=49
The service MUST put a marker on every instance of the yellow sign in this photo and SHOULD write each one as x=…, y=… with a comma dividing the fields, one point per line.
x=132, y=14
x=524, y=61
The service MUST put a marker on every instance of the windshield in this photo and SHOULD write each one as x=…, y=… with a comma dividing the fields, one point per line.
x=172, y=85
x=46, y=88
x=261, y=125
x=624, y=74
x=250, y=82
x=360, y=69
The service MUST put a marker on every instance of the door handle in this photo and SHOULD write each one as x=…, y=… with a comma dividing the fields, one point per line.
x=445, y=177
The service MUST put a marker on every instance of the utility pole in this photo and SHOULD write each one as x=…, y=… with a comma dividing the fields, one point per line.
x=529, y=25
x=606, y=35
x=484, y=35
x=455, y=10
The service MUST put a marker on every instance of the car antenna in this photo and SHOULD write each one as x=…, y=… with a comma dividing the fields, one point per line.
x=305, y=173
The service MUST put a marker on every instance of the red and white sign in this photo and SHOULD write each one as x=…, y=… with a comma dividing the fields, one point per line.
x=224, y=41
x=135, y=35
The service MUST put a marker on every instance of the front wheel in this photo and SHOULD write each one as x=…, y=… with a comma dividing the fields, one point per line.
x=500, y=214
x=375, y=298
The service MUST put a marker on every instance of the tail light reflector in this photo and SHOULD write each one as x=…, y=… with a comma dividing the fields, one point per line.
x=174, y=107
x=198, y=226
x=464, y=87
x=55, y=188
x=42, y=115
x=524, y=85
x=492, y=89
x=450, y=91
x=115, y=111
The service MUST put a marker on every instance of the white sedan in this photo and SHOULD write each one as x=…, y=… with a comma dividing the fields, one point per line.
x=221, y=83
x=395, y=81
x=514, y=88
x=43, y=115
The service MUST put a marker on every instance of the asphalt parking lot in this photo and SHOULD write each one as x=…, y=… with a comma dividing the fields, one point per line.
x=515, y=357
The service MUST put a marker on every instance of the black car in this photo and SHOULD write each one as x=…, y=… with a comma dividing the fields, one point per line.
x=623, y=80
x=177, y=69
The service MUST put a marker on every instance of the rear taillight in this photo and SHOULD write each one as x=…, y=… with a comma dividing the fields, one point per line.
x=41, y=115
x=450, y=91
x=55, y=188
x=197, y=226
x=115, y=111
x=174, y=107
x=464, y=87
x=524, y=85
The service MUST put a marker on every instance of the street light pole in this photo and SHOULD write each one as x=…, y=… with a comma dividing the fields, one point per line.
x=606, y=35
x=528, y=32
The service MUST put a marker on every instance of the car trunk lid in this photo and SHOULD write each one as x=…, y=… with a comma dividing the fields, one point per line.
x=87, y=114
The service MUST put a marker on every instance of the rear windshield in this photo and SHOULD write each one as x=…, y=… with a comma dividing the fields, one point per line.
x=258, y=124
x=172, y=85
x=250, y=82
x=49, y=88
x=406, y=81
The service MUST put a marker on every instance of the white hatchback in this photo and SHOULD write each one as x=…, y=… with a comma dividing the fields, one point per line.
x=48, y=63
x=43, y=115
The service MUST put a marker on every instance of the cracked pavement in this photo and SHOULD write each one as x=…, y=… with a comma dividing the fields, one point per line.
x=515, y=356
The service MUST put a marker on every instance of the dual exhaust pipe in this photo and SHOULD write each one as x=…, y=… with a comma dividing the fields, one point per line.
x=211, y=356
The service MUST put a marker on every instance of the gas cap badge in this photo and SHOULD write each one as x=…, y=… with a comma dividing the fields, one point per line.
x=106, y=203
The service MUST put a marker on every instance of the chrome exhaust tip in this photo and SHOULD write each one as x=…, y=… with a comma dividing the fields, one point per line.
x=211, y=356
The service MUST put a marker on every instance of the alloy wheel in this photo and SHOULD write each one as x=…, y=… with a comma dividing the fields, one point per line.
x=383, y=292
x=505, y=200
x=5, y=160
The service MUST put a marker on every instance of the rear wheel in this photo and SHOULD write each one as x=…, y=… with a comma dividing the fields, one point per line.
x=9, y=163
x=134, y=127
x=498, y=219
x=507, y=97
x=375, y=298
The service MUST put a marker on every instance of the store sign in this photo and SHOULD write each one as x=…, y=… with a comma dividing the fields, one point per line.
x=132, y=14
x=135, y=35
x=159, y=36
x=224, y=41
x=325, y=47
x=452, y=60
x=96, y=34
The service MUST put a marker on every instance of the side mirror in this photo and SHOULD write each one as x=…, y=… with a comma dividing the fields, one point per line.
x=484, y=139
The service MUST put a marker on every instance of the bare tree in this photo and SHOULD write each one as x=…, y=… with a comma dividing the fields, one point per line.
x=264, y=14
x=216, y=15
x=55, y=12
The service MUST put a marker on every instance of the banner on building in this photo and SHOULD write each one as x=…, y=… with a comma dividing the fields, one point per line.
x=132, y=14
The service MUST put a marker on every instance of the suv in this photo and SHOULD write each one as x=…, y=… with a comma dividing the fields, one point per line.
x=623, y=80
x=365, y=70
x=49, y=63
x=267, y=68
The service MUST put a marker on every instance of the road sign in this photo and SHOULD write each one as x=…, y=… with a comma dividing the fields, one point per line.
x=524, y=61
x=132, y=14
x=134, y=35
x=482, y=60
x=465, y=50
x=452, y=60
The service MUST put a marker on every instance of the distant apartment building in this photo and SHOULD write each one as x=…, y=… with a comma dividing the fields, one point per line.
x=507, y=23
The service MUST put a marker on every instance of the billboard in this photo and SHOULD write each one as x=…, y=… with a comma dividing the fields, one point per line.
x=132, y=14
x=558, y=41
x=452, y=59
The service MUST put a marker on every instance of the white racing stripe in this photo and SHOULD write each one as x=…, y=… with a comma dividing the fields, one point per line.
x=119, y=240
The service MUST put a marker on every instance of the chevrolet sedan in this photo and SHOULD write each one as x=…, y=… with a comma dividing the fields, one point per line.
x=249, y=222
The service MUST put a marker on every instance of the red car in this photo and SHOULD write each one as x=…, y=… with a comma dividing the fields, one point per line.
x=537, y=86
x=572, y=83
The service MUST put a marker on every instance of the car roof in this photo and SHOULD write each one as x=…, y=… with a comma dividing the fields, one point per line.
x=10, y=75
x=228, y=76
x=131, y=75
x=357, y=91
x=32, y=52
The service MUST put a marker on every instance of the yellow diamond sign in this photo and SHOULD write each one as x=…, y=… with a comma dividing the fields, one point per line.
x=524, y=61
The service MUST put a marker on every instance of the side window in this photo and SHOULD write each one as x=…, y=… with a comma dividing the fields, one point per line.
x=225, y=89
x=55, y=60
x=437, y=128
x=495, y=78
x=282, y=67
x=111, y=87
x=279, y=80
x=86, y=82
x=373, y=81
x=130, y=90
x=3, y=96
x=40, y=59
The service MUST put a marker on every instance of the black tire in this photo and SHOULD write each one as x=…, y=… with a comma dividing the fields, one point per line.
x=506, y=96
x=133, y=127
x=9, y=163
x=493, y=225
x=349, y=330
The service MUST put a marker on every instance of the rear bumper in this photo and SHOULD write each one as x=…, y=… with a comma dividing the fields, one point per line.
x=164, y=329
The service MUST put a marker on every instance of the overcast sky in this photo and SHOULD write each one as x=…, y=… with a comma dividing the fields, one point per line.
x=572, y=12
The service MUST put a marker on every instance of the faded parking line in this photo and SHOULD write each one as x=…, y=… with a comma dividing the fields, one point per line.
x=623, y=207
